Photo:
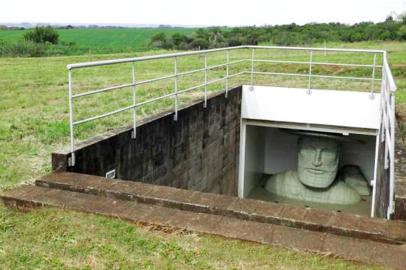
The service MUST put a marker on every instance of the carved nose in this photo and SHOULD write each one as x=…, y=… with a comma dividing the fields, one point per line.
x=317, y=159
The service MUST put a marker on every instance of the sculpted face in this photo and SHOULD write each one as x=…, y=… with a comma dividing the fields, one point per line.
x=317, y=161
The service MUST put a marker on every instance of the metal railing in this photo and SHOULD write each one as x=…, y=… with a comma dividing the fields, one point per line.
x=387, y=84
x=388, y=123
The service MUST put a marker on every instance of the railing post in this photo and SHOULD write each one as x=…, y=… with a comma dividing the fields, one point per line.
x=175, y=117
x=252, y=69
x=205, y=80
x=392, y=156
x=373, y=78
x=71, y=161
x=227, y=70
x=134, y=133
x=383, y=101
x=309, y=84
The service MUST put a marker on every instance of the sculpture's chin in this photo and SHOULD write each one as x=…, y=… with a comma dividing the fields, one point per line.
x=316, y=179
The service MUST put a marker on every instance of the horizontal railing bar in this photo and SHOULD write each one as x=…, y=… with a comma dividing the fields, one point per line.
x=342, y=64
x=225, y=64
x=191, y=72
x=121, y=110
x=179, y=92
x=142, y=103
x=216, y=80
x=147, y=81
x=210, y=67
x=191, y=88
x=237, y=61
x=202, y=85
x=103, y=90
x=154, y=99
x=155, y=79
x=102, y=115
x=346, y=77
x=279, y=73
x=311, y=49
x=145, y=58
x=180, y=54
x=216, y=66
x=237, y=74
x=122, y=86
x=316, y=76
x=315, y=63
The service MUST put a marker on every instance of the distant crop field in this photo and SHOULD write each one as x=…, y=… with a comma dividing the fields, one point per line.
x=104, y=39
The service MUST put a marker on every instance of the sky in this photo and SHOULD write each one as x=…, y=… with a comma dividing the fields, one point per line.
x=197, y=13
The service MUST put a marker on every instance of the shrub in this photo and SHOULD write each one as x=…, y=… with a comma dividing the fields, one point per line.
x=22, y=48
x=158, y=40
x=42, y=35
x=402, y=32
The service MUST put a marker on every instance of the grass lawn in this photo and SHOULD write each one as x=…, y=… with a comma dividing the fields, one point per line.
x=33, y=123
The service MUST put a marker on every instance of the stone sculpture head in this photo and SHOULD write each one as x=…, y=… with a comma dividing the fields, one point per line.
x=318, y=159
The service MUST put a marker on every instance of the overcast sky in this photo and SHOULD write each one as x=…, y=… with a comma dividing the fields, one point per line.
x=203, y=12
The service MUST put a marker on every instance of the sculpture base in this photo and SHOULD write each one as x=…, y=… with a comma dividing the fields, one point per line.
x=260, y=193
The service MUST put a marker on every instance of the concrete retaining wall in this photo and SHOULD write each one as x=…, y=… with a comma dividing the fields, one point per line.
x=382, y=185
x=198, y=152
x=400, y=177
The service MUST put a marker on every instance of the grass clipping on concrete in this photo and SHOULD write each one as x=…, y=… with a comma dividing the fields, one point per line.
x=34, y=122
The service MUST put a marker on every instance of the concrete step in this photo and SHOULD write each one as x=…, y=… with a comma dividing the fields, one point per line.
x=335, y=223
x=362, y=250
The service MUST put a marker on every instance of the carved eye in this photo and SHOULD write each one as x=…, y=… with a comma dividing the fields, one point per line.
x=308, y=150
x=329, y=154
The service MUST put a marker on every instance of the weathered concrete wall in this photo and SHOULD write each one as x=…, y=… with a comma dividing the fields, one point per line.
x=198, y=152
x=382, y=184
x=400, y=177
x=400, y=180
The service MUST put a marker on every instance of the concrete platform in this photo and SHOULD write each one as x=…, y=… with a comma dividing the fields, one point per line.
x=371, y=240
x=246, y=209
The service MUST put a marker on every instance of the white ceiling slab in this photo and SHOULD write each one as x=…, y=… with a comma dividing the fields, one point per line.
x=321, y=107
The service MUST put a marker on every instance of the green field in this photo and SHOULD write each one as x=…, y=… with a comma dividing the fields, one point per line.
x=33, y=123
x=103, y=39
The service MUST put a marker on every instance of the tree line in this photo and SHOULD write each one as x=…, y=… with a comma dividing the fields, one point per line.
x=42, y=40
x=290, y=34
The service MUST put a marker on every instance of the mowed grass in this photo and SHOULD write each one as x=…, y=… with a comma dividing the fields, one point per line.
x=112, y=40
x=34, y=122
x=57, y=239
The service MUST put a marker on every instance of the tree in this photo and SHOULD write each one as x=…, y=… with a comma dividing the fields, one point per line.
x=402, y=32
x=215, y=37
x=159, y=40
x=42, y=35
x=179, y=39
x=402, y=17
